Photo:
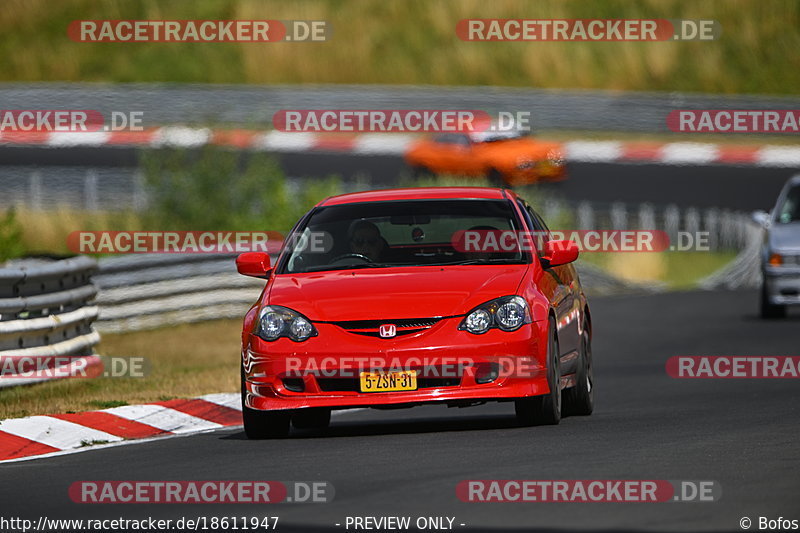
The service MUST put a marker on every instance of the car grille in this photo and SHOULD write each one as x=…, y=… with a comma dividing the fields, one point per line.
x=405, y=326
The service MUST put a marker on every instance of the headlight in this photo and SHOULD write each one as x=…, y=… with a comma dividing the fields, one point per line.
x=555, y=158
x=507, y=313
x=275, y=321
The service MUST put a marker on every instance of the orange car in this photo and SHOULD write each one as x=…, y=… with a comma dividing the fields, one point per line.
x=512, y=158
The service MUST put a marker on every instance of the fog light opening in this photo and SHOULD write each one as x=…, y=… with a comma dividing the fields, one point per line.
x=294, y=384
x=486, y=373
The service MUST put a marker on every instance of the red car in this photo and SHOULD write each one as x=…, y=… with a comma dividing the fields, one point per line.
x=375, y=301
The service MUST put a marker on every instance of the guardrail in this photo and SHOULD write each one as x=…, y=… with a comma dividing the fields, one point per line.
x=151, y=290
x=744, y=272
x=248, y=105
x=46, y=315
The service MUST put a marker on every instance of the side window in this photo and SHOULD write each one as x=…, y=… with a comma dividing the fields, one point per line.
x=536, y=224
x=452, y=138
x=526, y=214
x=790, y=210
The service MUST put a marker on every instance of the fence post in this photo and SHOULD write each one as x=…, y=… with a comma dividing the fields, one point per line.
x=585, y=216
x=647, y=217
x=35, y=191
x=712, y=227
x=692, y=221
x=90, y=198
x=619, y=216
x=672, y=222
x=139, y=192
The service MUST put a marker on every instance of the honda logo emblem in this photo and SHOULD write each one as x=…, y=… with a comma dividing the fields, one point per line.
x=387, y=331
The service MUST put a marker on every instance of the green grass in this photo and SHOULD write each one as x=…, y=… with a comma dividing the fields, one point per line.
x=413, y=42
x=186, y=361
x=678, y=270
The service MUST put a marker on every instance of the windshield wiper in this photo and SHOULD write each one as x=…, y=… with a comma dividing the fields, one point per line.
x=354, y=266
x=496, y=261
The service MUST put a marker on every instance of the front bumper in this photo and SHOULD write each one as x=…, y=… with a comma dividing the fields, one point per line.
x=782, y=285
x=449, y=363
x=537, y=171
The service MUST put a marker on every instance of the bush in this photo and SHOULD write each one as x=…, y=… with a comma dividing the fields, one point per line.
x=218, y=189
x=10, y=237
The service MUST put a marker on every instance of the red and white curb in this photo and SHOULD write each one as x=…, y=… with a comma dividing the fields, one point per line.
x=43, y=436
x=676, y=153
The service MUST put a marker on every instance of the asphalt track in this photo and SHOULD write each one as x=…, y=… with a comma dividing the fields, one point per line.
x=724, y=186
x=740, y=433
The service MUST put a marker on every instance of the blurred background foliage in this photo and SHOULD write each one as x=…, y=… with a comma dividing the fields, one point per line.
x=414, y=42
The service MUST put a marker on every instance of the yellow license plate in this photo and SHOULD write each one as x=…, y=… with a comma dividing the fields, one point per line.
x=388, y=381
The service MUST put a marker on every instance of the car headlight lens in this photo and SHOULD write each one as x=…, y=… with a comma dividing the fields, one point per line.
x=555, y=158
x=275, y=321
x=511, y=315
x=478, y=321
x=507, y=313
x=301, y=328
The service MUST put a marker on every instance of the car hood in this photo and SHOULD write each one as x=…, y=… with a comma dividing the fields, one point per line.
x=393, y=293
x=785, y=236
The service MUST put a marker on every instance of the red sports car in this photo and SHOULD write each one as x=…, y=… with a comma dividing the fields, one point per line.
x=404, y=297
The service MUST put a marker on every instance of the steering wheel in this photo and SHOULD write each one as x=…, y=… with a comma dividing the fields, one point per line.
x=353, y=256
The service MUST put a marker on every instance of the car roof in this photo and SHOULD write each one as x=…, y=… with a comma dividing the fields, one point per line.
x=418, y=193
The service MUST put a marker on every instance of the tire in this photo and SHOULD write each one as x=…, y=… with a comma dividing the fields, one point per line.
x=579, y=400
x=312, y=418
x=768, y=309
x=544, y=410
x=263, y=424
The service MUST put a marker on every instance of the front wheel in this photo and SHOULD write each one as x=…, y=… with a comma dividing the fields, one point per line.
x=545, y=409
x=263, y=424
x=579, y=400
x=768, y=309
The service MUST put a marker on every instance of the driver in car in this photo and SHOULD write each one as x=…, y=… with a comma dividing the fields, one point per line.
x=366, y=240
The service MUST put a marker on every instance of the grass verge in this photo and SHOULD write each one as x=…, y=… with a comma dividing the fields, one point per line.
x=413, y=42
x=183, y=361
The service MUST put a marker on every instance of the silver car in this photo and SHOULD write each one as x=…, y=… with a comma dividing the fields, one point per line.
x=780, y=255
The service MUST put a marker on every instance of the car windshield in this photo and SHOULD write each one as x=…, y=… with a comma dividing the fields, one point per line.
x=501, y=135
x=399, y=233
x=789, y=211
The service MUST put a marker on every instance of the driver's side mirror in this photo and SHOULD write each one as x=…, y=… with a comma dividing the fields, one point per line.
x=558, y=253
x=761, y=218
x=255, y=264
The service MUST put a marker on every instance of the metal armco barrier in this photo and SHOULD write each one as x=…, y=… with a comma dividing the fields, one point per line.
x=248, y=105
x=46, y=312
x=152, y=290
